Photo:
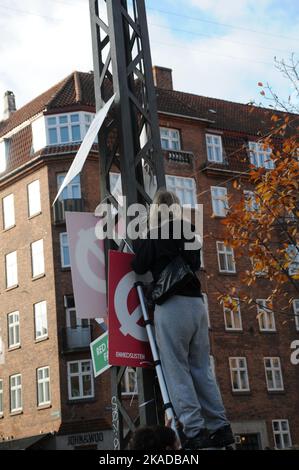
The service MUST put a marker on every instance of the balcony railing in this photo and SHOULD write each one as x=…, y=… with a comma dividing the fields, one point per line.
x=179, y=156
x=71, y=205
x=79, y=337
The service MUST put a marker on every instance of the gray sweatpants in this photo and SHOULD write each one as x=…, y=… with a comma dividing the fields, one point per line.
x=182, y=335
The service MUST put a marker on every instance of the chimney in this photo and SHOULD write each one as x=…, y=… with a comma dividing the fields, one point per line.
x=163, y=77
x=9, y=104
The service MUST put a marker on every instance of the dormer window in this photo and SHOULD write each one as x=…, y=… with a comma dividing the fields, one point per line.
x=214, y=148
x=3, y=155
x=67, y=128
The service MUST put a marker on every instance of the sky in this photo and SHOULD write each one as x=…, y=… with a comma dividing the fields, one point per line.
x=217, y=48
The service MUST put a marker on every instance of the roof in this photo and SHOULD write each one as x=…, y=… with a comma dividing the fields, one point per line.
x=25, y=443
x=78, y=89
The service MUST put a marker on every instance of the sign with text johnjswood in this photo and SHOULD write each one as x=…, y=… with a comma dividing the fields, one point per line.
x=99, y=354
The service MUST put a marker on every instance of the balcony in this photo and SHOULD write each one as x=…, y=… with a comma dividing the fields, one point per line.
x=77, y=338
x=179, y=156
x=71, y=205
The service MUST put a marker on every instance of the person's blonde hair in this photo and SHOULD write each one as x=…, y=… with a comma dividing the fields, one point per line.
x=165, y=205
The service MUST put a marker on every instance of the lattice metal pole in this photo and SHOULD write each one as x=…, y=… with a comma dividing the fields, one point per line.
x=130, y=140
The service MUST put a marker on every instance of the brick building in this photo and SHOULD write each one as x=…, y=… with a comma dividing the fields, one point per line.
x=48, y=397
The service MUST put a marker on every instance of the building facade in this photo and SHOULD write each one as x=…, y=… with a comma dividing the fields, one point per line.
x=48, y=396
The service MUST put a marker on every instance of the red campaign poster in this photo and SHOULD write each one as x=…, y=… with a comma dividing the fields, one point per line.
x=128, y=342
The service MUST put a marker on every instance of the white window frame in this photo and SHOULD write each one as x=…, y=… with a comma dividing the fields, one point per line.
x=37, y=258
x=63, y=244
x=273, y=368
x=281, y=433
x=239, y=369
x=4, y=151
x=267, y=313
x=293, y=254
x=227, y=252
x=251, y=202
x=84, y=122
x=296, y=312
x=213, y=143
x=11, y=269
x=79, y=374
x=174, y=142
x=17, y=390
x=14, y=330
x=260, y=157
x=219, y=201
x=233, y=313
x=1, y=398
x=34, y=198
x=8, y=210
x=43, y=382
x=40, y=314
x=126, y=389
x=182, y=186
x=67, y=193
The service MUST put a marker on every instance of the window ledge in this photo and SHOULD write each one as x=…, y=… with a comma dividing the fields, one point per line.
x=44, y=407
x=16, y=413
x=66, y=269
x=227, y=274
x=241, y=392
x=8, y=289
x=9, y=228
x=268, y=332
x=41, y=339
x=276, y=392
x=81, y=401
x=227, y=330
x=34, y=215
x=14, y=348
x=40, y=276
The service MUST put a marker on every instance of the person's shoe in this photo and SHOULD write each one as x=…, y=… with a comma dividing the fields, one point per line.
x=197, y=442
x=222, y=437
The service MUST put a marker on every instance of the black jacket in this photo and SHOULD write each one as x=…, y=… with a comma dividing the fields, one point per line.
x=153, y=253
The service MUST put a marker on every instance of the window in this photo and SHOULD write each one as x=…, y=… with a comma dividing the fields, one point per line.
x=273, y=373
x=43, y=386
x=80, y=380
x=293, y=258
x=40, y=320
x=11, y=270
x=258, y=268
x=219, y=201
x=170, y=139
x=265, y=315
x=206, y=303
x=37, y=258
x=72, y=191
x=34, y=202
x=232, y=316
x=13, y=330
x=281, y=433
x=184, y=188
x=129, y=384
x=15, y=393
x=226, y=261
x=239, y=374
x=296, y=312
x=64, y=251
x=8, y=212
x=259, y=156
x=251, y=201
x=67, y=128
x=1, y=397
x=214, y=147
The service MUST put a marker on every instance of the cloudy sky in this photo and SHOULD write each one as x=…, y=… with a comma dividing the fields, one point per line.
x=219, y=48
